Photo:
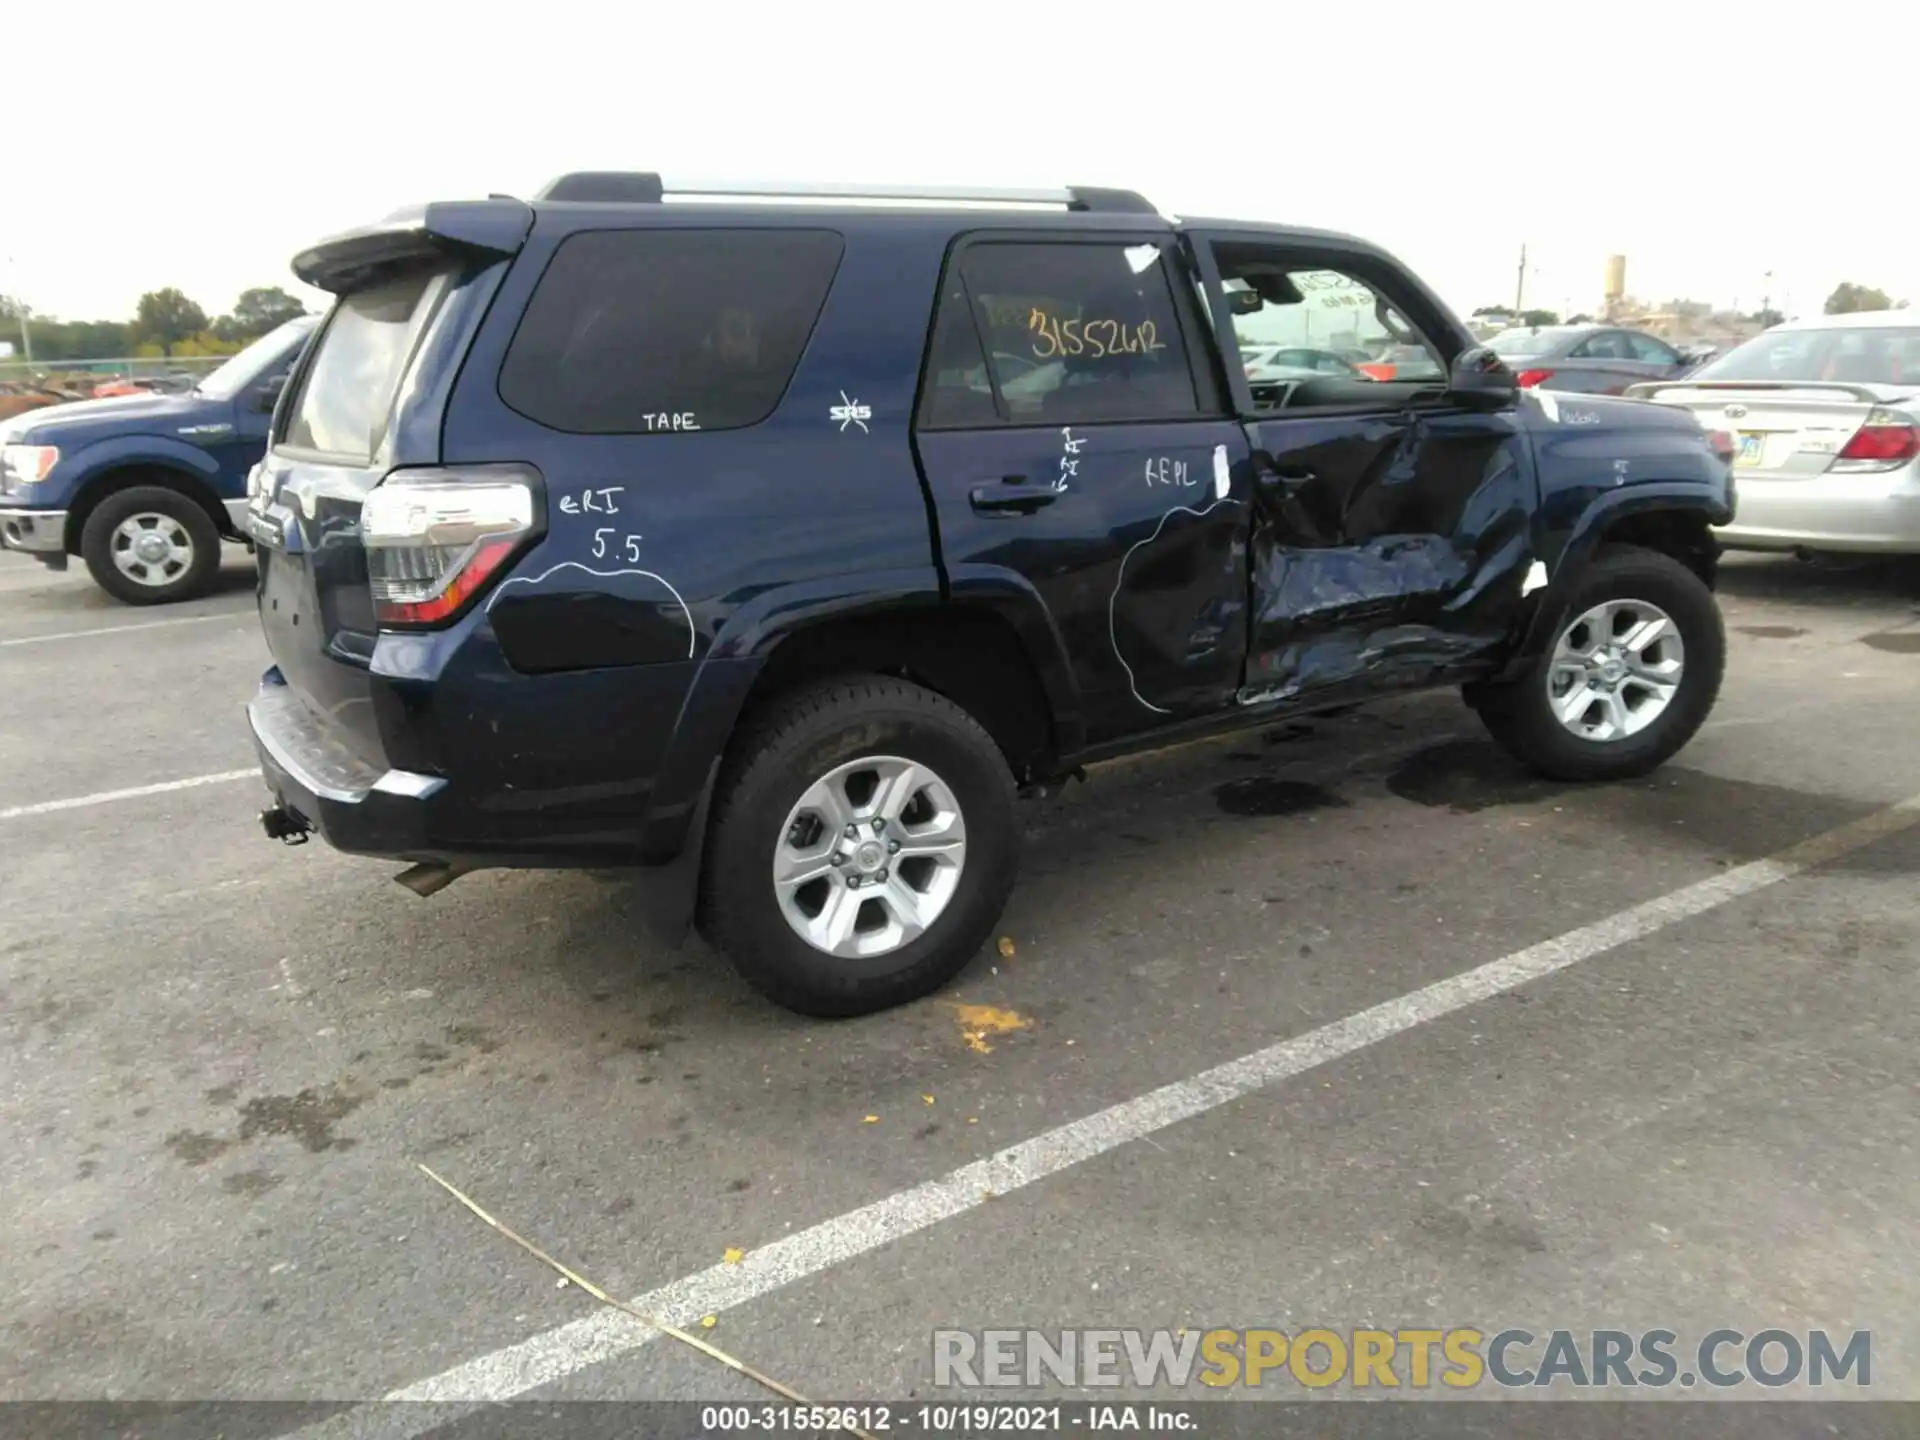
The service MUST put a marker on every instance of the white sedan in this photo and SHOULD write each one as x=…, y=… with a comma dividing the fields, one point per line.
x=1825, y=415
x=1295, y=362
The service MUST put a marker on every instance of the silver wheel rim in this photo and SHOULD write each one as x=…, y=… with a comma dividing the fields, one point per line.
x=870, y=856
x=1615, y=670
x=151, y=549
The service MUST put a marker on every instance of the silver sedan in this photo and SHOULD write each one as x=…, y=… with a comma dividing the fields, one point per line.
x=1824, y=415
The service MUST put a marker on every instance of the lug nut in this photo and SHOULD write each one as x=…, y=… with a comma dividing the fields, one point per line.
x=853, y=832
x=881, y=876
x=836, y=858
x=893, y=847
x=879, y=824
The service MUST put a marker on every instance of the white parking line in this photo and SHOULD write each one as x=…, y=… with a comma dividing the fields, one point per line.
x=122, y=629
x=107, y=797
x=553, y=1354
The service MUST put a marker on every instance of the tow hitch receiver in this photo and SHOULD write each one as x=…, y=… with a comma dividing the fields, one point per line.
x=284, y=825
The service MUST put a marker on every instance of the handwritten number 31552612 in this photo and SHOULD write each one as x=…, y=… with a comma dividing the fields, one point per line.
x=1053, y=336
x=628, y=549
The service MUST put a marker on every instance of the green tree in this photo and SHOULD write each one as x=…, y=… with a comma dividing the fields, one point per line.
x=1849, y=299
x=1767, y=319
x=166, y=317
x=1539, y=317
x=261, y=309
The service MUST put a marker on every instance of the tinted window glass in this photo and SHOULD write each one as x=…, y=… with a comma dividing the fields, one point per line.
x=1523, y=343
x=1607, y=345
x=959, y=394
x=1645, y=347
x=348, y=394
x=1072, y=334
x=272, y=354
x=647, y=331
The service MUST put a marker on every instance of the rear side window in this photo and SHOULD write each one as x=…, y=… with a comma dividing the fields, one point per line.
x=1646, y=348
x=650, y=331
x=1055, y=334
x=347, y=397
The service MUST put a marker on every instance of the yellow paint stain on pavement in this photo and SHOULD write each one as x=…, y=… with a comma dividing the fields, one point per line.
x=977, y=1022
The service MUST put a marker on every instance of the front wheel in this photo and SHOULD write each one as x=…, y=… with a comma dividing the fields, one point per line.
x=864, y=844
x=1632, y=673
x=151, y=546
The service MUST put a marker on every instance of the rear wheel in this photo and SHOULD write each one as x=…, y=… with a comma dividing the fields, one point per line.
x=150, y=546
x=864, y=845
x=1632, y=673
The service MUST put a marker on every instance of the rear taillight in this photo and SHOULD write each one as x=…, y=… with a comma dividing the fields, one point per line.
x=1887, y=441
x=1527, y=379
x=1722, y=444
x=435, y=538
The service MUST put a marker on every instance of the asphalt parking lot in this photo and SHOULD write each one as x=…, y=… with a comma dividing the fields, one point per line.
x=224, y=1058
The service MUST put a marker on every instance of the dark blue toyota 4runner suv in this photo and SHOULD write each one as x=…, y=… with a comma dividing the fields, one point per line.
x=145, y=487
x=774, y=548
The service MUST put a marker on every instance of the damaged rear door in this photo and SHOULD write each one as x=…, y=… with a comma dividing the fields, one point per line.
x=1390, y=527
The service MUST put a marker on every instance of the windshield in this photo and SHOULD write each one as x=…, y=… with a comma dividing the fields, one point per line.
x=1859, y=355
x=1523, y=342
x=252, y=363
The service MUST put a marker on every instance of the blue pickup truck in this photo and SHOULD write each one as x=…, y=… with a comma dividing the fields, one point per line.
x=145, y=487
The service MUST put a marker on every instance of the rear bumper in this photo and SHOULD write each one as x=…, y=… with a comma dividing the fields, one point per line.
x=1855, y=513
x=352, y=806
x=406, y=816
x=37, y=532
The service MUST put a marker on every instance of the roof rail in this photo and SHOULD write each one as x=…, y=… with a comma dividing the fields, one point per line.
x=645, y=187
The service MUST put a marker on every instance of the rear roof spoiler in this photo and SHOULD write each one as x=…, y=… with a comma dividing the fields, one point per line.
x=345, y=261
x=1647, y=389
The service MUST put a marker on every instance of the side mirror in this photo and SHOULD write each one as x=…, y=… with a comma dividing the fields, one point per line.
x=1481, y=379
x=268, y=394
x=1245, y=302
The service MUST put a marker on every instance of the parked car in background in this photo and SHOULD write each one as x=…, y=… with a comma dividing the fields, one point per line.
x=604, y=531
x=1588, y=359
x=1826, y=414
x=174, y=382
x=1294, y=362
x=1402, y=362
x=145, y=487
x=17, y=397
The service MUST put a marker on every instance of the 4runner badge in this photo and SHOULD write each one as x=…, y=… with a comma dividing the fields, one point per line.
x=850, y=412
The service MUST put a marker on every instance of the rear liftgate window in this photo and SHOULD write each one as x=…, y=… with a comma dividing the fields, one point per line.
x=348, y=394
x=652, y=331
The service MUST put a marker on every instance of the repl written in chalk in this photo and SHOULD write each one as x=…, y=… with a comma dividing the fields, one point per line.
x=1054, y=336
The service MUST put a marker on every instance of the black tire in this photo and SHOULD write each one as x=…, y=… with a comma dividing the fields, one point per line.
x=195, y=577
x=1518, y=713
x=802, y=738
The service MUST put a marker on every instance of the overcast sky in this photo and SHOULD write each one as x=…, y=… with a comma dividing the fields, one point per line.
x=201, y=144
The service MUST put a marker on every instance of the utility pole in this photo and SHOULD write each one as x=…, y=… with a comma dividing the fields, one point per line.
x=1520, y=283
x=1766, y=299
x=26, y=331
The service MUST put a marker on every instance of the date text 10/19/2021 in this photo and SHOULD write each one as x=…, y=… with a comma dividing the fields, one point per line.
x=948, y=1419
